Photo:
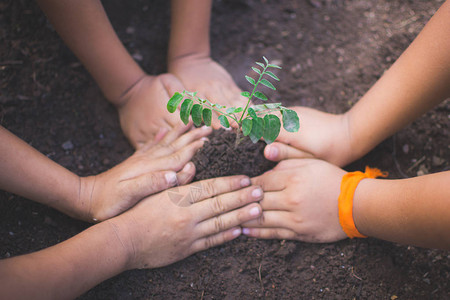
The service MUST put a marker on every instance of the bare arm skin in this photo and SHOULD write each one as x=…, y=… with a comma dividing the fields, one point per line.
x=158, y=231
x=415, y=83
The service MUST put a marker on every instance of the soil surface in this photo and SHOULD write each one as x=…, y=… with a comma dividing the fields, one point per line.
x=331, y=52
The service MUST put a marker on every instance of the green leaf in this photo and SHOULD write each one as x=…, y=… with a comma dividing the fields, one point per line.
x=197, y=114
x=260, y=64
x=186, y=110
x=268, y=84
x=290, y=120
x=224, y=121
x=265, y=106
x=249, y=79
x=272, y=75
x=256, y=70
x=247, y=126
x=207, y=116
x=260, y=95
x=230, y=110
x=273, y=66
x=246, y=94
x=252, y=113
x=174, y=101
x=265, y=59
x=272, y=127
x=257, y=130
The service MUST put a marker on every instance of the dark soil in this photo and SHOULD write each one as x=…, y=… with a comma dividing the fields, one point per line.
x=331, y=52
x=222, y=157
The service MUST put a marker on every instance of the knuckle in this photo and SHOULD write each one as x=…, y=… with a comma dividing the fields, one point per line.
x=209, y=188
x=219, y=224
x=217, y=205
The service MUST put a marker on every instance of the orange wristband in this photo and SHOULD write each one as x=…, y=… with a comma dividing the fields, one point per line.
x=345, y=201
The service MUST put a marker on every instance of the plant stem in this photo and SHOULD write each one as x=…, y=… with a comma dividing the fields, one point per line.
x=253, y=91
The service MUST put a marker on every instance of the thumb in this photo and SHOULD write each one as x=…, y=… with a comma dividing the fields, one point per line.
x=150, y=183
x=186, y=174
x=279, y=151
x=171, y=84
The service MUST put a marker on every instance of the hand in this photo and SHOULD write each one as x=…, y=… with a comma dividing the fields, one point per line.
x=203, y=75
x=151, y=169
x=176, y=223
x=300, y=202
x=143, y=112
x=321, y=135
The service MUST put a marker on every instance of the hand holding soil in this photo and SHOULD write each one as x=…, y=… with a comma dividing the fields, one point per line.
x=155, y=167
x=322, y=135
x=176, y=223
x=299, y=202
x=147, y=97
x=210, y=79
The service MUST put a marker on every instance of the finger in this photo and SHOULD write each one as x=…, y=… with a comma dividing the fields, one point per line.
x=171, y=84
x=279, y=151
x=176, y=161
x=223, y=203
x=272, y=180
x=275, y=201
x=149, y=183
x=186, y=174
x=216, y=239
x=271, y=219
x=270, y=233
x=181, y=142
x=191, y=136
x=173, y=134
x=198, y=191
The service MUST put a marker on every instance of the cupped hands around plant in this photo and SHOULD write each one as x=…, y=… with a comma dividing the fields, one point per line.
x=255, y=121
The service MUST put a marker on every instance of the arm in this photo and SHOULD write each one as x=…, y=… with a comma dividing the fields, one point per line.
x=160, y=230
x=189, y=55
x=300, y=202
x=85, y=28
x=415, y=83
x=409, y=211
x=155, y=167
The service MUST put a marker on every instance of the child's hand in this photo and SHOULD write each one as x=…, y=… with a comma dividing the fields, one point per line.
x=153, y=168
x=211, y=80
x=321, y=135
x=176, y=223
x=143, y=112
x=300, y=202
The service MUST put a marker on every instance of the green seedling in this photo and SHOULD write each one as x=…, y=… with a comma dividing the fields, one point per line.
x=255, y=121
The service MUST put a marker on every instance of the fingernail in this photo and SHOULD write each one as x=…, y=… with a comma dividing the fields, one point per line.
x=273, y=152
x=254, y=211
x=245, y=182
x=256, y=193
x=245, y=231
x=171, y=178
x=205, y=139
x=206, y=128
x=236, y=232
x=187, y=167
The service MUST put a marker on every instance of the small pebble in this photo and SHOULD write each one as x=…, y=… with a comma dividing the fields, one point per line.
x=67, y=145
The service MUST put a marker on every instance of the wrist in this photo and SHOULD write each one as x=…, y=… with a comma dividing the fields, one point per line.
x=125, y=241
x=186, y=57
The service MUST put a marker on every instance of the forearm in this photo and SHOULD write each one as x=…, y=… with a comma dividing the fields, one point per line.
x=66, y=270
x=410, y=211
x=189, y=34
x=26, y=172
x=85, y=28
x=416, y=82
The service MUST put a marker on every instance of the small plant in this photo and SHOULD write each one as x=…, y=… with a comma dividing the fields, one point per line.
x=255, y=121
